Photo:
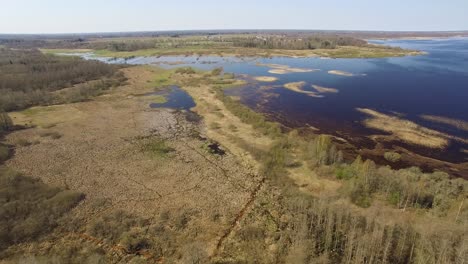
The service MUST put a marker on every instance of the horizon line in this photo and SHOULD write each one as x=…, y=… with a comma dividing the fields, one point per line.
x=246, y=30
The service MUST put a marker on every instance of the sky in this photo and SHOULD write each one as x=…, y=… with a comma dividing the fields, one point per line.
x=64, y=16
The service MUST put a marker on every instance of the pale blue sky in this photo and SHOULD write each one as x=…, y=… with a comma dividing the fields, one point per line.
x=61, y=16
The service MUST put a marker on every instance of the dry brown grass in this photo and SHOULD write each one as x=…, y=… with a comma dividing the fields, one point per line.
x=457, y=123
x=341, y=73
x=284, y=69
x=297, y=87
x=265, y=79
x=322, y=89
x=405, y=130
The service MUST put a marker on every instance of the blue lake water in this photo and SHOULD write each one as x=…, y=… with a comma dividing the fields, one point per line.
x=431, y=84
x=176, y=99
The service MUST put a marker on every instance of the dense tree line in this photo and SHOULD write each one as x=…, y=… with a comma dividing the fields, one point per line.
x=326, y=230
x=297, y=43
x=263, y=41
x=41, y=42
x=29, y=77
x=249, y=41
x=131, y=45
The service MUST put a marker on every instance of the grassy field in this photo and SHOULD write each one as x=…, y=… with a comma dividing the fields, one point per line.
x=56, y=51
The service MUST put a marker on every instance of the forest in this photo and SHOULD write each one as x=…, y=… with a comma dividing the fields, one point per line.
x=263, y=41
x=29, y=77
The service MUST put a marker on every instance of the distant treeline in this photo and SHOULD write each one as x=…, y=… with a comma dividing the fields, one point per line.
x=299, y=43
x=264, y=41
x=29, y=77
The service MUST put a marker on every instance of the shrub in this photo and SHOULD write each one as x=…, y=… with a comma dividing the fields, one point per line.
x=134, y=241
x=112, y=226
x=216, y=71
x=4, y=153
x=23, y=142
x=232, y=127
x=392, y=156
x=360, y=194
x=185, y=70
x=215, y=125
x=275, y=160
x=345, y=172
x=6, y=124
x=182, y=219
x=157, y=148
x=51, y=134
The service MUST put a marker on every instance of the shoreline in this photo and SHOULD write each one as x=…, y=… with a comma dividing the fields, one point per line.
x=350, y=52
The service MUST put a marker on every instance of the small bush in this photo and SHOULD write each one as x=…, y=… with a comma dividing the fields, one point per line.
x=181, y=221
x=215, y=125
x=185, y=70
x=216, y=71
x=4, y=153
x=360, y=195
x=276, y=159
x=134, y=241
x=23, y=142
x=392, y=156
x=51, y=134
x=6, y=123
x=112, y=226
x=157, y=148
x=345, y=172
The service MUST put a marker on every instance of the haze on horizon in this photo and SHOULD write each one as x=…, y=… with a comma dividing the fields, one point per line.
x=55, y=16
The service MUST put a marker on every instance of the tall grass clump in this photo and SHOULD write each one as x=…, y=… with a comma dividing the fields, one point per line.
x=247, y=115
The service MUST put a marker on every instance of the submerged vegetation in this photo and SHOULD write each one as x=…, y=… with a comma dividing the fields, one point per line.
x=407, y=131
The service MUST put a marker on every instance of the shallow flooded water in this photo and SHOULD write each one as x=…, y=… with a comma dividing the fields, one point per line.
x=176, y=98
x=327, y=92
